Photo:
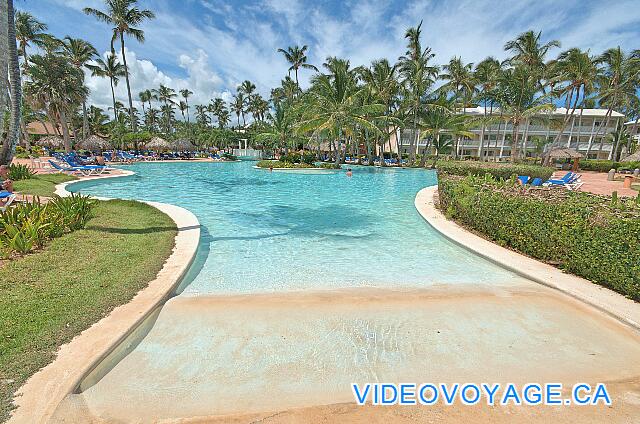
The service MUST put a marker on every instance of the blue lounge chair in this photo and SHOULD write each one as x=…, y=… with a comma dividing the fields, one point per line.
x=524, y=179
x=7, y=198
x=81, y=170
x=570, y=181
x=537, y=182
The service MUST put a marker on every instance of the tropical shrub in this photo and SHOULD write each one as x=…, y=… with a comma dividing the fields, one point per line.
x=606, y=165
x=497, y=170
x=329, y=165
x=27, y=226
x=294, y=157
x=595, y=237
x=229, y=156
x=20, y=172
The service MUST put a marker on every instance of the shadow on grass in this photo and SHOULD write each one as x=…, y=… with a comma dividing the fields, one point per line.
x=148, y=230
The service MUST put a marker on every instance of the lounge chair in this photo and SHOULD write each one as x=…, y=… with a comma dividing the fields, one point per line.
x=537, y=182
x=524, y=179
x=85, y=170
x=570, y=181
x=7, y=198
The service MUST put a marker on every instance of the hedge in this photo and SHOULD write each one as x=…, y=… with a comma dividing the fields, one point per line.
x=606, y=165
x=497, y=170
x=594, y=237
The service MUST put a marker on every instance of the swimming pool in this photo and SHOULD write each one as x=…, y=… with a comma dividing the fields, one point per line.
x=271, y=231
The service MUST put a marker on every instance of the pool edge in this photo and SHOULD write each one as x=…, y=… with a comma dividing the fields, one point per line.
x=38, y=398
x=601, y=298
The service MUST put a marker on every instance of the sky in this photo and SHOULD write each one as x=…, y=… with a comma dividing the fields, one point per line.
x=210, y=46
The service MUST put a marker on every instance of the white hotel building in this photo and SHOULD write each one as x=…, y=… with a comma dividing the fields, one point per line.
x=581, y=130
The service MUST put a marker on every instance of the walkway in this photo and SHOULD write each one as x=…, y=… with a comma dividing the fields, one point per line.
x=596, y=182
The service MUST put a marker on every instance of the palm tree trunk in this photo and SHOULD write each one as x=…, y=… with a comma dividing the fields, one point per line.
x=113, y=97
x=514, y=141
x=481, y=147
x=504, y=140
x=9, y=146
x=65, y=130
x=126, y=77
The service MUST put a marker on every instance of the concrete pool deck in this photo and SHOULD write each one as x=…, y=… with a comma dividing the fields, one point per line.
x=38, y=398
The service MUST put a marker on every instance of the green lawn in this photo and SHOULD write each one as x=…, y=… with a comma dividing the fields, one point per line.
x=49, y=297
x=41, y=185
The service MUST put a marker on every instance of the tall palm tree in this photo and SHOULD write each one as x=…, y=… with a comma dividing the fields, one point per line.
x=519, y=101
x=382, y=83
x=461, y=82
x=201, y=115
x=185, y=93
x=144, y=96
x=418, y=76
x=486, y=74
x=182, y=107
x=124, y=16
x=13, y=133
x=297, y=57
x=111, y=69
x=528, y=50
x=80, y=52
x=237, y=106
x=28, y=30
x=577, y=72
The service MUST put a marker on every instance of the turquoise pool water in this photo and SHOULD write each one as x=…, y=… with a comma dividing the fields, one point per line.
x=271, y=231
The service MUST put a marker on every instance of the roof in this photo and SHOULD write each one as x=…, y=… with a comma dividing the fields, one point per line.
x=37, y=128
x=564, y=153
x=479, y=110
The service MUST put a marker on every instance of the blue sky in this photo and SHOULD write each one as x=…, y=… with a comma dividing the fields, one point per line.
x=210, y=46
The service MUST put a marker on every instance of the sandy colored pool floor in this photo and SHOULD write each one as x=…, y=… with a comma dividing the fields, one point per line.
x=280, y=358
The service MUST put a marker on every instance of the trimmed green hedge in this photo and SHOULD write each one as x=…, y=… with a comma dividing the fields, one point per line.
x=591, y=236
x=606, y=165
x=498, y=170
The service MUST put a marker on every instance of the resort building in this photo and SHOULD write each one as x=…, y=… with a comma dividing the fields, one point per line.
x=585, y=132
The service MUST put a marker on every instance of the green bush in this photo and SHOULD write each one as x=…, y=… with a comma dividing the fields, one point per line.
x=497, y=170
x=294, y=157
x=330, y=165
x=281, y=164
x=229, y=156
x=606, y=165
x=27, y=226
x=591, y=236
x=20, y=172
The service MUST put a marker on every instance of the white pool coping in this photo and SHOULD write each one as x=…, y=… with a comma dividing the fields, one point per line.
x=38, y=398
x=614, y=304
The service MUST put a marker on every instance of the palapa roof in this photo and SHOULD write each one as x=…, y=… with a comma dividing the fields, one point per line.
x=94, y=143
x=632, y=158
x=182, y=144
x=157, y=143
x=565, y=153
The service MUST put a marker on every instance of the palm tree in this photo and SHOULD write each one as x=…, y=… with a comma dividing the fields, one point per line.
x=201, y=114
x=461, y=83
x=57, y=80
x=111, y=69
x=418, y=76
x=124, y=16
x=519, y=101
x=185, y=93
x=335, y=105
x=528, y=51
x=97, y=120
x=577, y=71
x=486, y=75
x=182, y=107
x=28, y=30
x=80, y=52
x=237, y=106
x=297, y=57
x=382, y=83
x=280, y=134
x=443, y=121
x=13, y=133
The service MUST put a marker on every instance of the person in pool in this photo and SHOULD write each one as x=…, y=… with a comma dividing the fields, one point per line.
x=349, y=173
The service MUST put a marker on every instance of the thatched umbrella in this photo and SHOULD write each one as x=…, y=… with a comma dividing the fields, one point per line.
x=566, y=153
x=157, y=143
x=95, y=144
x=632, y=158
x=183, y=145
x=50, y=141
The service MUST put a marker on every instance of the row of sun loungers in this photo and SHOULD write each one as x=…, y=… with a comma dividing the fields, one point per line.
x=570, y=181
